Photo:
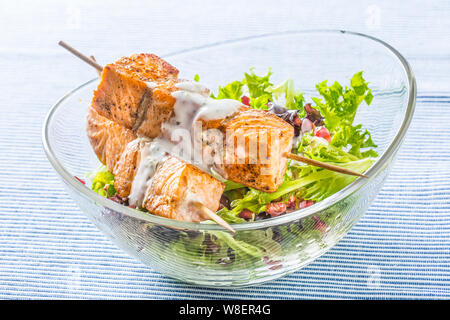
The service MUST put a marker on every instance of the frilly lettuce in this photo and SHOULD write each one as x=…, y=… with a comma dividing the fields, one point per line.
x=102, y=181
x=293, y=98
x=261, y=91
x=338, y=106
x=232, y=90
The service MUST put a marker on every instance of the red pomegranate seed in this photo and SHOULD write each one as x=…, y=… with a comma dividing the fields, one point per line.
x=276, y=267
x=224, y=202
x=269, y=261
x=81, y=180
x=305, y=203
x=276, y=208
x=319, y=224
x=323, y=133
x=307, y=125
x=246, y=214
x=291, y=202
x=245, y=100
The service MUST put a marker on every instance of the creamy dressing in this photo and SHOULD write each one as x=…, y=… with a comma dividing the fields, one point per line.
x=192, y=86
x=214, y=109
x=152, y=153
x=192, y=104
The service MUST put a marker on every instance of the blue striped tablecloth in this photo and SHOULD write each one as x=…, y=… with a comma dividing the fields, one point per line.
x=48, y=248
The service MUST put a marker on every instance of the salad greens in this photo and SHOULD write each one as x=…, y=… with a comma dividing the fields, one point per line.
x=260, y=91
x=350, y=146
x=346, y=144
x=338, y=106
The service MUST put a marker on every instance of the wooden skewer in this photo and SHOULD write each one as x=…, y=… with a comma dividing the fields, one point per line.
x=98, y=71
x=324, y=165
x=81, y=56
x=213, y=216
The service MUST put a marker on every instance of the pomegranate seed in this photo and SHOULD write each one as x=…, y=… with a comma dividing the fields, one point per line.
x=307, y=125
x=291, y=202
x=246, y=214
x=224, y=202
x=319, y=224
x=81, y=180
x=245, y=100
x=117, y=199
x=269, y=261
x=323, y=133
x=276, y=208
x=276, y=267
x=305, y=203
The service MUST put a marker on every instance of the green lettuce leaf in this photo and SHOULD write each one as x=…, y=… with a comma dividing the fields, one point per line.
x=293, y=97
x=102, y=181
x=307, y=182
x=338, y=106
x=257, y=85
x=232, y=90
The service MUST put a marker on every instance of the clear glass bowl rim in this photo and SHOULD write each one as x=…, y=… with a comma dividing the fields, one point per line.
x=373, y=171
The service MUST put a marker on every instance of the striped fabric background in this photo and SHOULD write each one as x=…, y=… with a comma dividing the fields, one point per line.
x=48, y=249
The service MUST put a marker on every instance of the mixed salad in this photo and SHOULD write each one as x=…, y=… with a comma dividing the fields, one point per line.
x=325, y=131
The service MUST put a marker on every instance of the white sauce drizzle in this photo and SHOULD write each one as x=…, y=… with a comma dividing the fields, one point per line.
x=192, y=86
x=214, y=109
x=192, y=104
x=152, y=153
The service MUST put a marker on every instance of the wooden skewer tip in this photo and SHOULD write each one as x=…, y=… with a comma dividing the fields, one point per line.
x=213, y=216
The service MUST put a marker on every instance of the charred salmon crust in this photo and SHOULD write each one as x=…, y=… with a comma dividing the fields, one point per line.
x=132, y=89
x=146, y=67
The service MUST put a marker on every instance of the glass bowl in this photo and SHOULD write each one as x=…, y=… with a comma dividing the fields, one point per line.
x=206, y=254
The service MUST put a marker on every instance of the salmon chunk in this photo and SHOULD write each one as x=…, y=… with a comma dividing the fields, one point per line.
x=132, y=88
x=176, y=186
x=254, y=142
x=107, y=138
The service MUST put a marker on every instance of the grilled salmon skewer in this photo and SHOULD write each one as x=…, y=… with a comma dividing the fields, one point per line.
x=138, y=92
x=141, y=93
x=177, y=190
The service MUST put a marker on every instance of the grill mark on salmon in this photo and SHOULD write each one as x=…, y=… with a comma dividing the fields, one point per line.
x=142, y=110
